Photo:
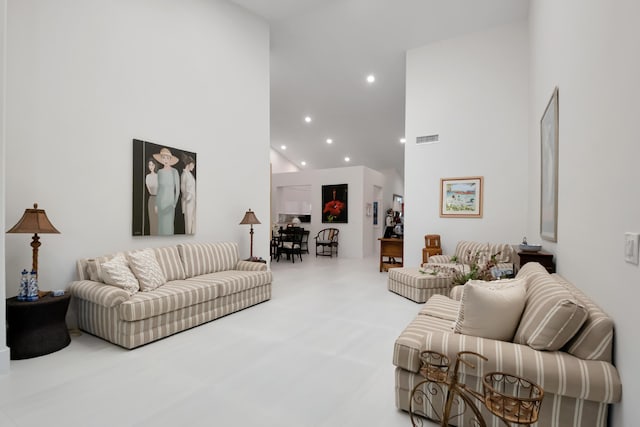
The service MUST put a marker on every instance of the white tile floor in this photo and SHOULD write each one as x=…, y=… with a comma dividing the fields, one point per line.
x=317, y=354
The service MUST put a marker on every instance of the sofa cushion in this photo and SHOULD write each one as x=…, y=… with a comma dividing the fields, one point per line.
x=552, y=315
x=441, y=307
x=233, y=281
x=170, y=263
x=146, y=269
x=204, y=258
x=116, y=272
x=491, y=309
x=169, y=297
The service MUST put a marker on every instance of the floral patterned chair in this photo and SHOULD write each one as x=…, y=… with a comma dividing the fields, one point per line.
x=327, y=240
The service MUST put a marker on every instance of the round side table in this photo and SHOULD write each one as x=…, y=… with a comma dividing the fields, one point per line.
x=36, y=328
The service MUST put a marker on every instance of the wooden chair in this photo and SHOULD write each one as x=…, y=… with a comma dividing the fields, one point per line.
x=304, y=246
x=291, y=243
x=327, y=240
x=432, y=246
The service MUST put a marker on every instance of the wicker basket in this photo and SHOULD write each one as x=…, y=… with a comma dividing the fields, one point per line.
x=512, y=398
x=435, y=366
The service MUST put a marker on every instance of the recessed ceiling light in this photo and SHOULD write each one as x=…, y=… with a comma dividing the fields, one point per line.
x=347, y=159
x=329, y=141
x=307, y=119
x=371, y=78
x=283, y=147
x=303, y=163
x=403, y=140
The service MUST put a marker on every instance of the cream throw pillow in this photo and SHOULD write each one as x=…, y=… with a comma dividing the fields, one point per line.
x=94, y=266
x=116, y=272
x=146, y=268
x=491, y=309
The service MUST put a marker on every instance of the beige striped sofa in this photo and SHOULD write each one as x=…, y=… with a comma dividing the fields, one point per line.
x=465, y=251
x=204, y=281
x=579, y=379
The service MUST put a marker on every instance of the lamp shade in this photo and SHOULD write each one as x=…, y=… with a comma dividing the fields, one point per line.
x=249, y=218
x=34, y=221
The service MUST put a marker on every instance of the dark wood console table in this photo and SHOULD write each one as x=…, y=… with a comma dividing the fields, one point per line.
x=392, y=249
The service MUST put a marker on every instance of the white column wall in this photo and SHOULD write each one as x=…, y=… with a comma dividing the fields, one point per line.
x=473, y=92
x=84, y=78
x=589, y=50
x=4, y=350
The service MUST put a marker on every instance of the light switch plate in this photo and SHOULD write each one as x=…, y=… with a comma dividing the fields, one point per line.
x=631, y=241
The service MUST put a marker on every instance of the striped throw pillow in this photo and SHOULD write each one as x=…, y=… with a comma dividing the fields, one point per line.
x=205, y=258
x=170, y=263
x=551, y=317
x=594, y=341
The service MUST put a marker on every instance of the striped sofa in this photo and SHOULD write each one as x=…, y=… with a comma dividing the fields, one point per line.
x=465, y=251
x=205, y=281
x=579, y=379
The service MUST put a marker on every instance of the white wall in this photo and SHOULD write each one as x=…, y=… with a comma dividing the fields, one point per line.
x=358, y=232
x=4, y=350
x=394, y=184
x=86, y=77
x=374, y=184
x=589, y=50
x=279, y=164
x=473, y=92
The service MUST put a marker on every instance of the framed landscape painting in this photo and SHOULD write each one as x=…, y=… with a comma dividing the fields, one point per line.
x=549, y=170
x=335, y=203
x=461, y=197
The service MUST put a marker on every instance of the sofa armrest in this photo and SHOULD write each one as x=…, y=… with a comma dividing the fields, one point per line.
x=251, y=266
x=439, y=259
x=556, y=372
x=98, y=293
x=456, y=292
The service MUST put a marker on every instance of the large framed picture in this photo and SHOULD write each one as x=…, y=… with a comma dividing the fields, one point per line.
x=164, y=190
x=461, y=197
x=549, y=170
x=335, y=203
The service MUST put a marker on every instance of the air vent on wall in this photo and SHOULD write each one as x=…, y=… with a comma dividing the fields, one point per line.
x=428, y=139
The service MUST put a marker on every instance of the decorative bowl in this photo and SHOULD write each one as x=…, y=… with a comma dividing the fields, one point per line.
x=530, y=247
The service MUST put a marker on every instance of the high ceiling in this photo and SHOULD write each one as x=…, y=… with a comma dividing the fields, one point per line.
x=323, y=50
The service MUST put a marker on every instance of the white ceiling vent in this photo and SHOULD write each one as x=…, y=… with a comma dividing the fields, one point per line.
x=428, y=139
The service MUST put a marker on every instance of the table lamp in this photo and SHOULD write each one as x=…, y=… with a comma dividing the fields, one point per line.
x=250, y=218
x=34, y=221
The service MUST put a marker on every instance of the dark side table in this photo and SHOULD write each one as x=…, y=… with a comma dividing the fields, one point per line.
x=544, y=258
x=36, y=328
